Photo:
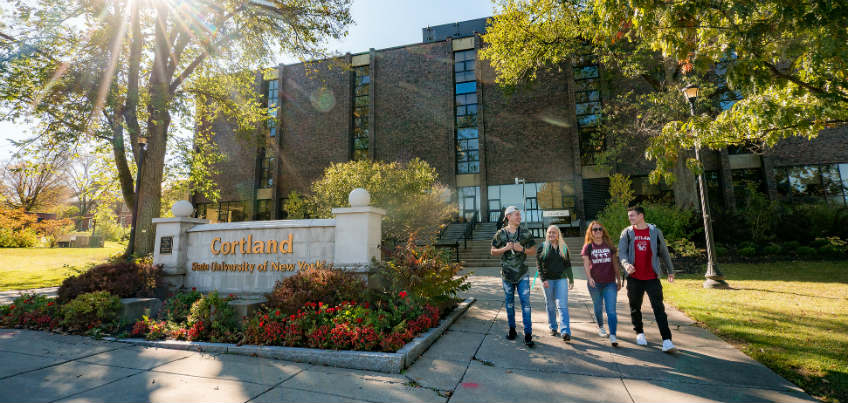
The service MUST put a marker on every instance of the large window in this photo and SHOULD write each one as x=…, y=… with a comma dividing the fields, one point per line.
x=266, y=170
x=469, y=203
x=361, y=108
x=814, y=183
x=273, y=103
x=587, y=104
x=467, y=135
x=263, y=209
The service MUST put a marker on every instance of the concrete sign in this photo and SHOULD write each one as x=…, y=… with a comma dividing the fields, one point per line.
x=249, y=257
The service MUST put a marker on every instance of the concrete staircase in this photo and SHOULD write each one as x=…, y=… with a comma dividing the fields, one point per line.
x=453, y=232
x=478, y=253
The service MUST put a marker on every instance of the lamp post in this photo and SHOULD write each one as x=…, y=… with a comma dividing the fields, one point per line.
x=523, y=183
x=714, y=278
x=142, y=142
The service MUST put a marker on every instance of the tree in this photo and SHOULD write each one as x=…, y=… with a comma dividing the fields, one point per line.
x=92, y=179
x=785, y=62
x=34, y=182
x=110, y=72
x=414, y=201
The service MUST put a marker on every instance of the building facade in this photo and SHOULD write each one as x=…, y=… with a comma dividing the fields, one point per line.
x=437, y=101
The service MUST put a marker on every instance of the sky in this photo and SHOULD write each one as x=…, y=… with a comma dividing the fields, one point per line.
x=378, y=24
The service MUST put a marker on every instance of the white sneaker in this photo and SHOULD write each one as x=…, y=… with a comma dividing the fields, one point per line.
x=641, y=340
x=613, y=340
x=667, y=345
x=602, y=332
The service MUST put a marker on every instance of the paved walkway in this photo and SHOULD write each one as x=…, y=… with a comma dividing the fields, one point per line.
x=472, y=362
x=6, y=297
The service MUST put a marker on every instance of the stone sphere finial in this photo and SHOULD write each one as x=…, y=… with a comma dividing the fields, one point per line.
x=182, y=208
x=359, y=197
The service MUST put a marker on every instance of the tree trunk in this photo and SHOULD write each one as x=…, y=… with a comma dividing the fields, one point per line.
x=685, y=193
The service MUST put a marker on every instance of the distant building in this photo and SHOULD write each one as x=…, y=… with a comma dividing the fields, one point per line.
x=436, y=100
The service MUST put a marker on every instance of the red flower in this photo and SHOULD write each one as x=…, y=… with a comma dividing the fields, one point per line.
x=12, y=306
x=402, y=294
x=50, y=303
x=320, y=304
x=277, y=312
x=194, y=288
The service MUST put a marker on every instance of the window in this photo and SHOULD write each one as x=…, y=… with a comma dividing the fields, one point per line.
x=266, y=171
x=588, y=107
x=273, y=102
x=229, y=212
x=469, y=203
x=813, y=183
x=263, y=209
x=200, y=210
x=467, y=135
x=361, y=124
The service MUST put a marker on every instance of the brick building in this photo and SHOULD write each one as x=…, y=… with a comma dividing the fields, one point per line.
x=437, y=101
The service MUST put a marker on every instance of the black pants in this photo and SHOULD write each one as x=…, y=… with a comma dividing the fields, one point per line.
x=636, y=290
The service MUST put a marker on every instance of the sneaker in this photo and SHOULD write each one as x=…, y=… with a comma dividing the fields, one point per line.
x=511, y=335
x=528, y=340
x=602, y=332
x=641, y=340
x=566, y=337
x=554, y=332
x=613, y=340
x=668, y=346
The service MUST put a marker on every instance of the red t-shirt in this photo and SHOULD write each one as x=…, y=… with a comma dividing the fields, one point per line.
x=644, y=255
x=602, y=269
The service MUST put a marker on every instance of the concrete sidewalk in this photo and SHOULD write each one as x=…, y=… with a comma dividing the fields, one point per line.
x=471, y=362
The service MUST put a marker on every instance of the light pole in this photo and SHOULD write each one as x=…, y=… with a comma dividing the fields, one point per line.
x=714, y=278
x=142, y=142
x=523, y=183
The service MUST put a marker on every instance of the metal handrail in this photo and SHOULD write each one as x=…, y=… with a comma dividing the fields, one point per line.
x=469, y=229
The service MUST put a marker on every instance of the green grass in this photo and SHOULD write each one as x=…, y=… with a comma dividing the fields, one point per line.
x=790, y=316
x=24, y=268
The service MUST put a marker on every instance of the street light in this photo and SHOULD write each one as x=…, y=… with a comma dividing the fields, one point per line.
x=142, y=142
x=714, y=278
x=523, y=183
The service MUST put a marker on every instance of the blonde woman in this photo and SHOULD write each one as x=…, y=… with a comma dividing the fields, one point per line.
x=555, y=268
x=603, y=276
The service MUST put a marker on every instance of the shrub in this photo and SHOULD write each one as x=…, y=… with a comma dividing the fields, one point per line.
x=791, y=246
x=30, y=311
x=747, y=251
x=323, y=284
x=424, y=272
x=772, y=249
x=212, y=318
x=684, y=248
x=747, y=244
x=675, y=223
x=88, y=311
x=721, y=250
x=23, y=238
x=806, y=251
x=819, y=242
x=119, y=278
x=177, y=307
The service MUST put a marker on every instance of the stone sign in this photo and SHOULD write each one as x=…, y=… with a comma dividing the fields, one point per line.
x=249, y=257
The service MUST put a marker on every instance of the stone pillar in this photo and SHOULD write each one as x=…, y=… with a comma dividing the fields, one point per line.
x=171, y=246
x=358, y=232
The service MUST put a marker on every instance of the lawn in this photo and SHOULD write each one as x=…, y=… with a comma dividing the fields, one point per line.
x=790, y=316
x=23, y=268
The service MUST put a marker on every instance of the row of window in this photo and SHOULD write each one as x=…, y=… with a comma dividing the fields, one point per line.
x=467, y=134
x=813, y=183
x=587, y=98
x=361, y=123
x=234, y=211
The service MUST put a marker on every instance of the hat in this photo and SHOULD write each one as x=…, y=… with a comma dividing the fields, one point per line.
x=509, y=210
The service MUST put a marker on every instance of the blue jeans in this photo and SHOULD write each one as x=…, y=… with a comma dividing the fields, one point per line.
x=556, y=298
x=605, y=294
x=523, y=296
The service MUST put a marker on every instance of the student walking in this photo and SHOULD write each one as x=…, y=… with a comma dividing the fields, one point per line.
x=513, y=244
x=603, y=276
x=557, y=278
x=640, y=248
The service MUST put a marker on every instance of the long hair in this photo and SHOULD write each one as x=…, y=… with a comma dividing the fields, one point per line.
x=563, y=249
x=606, y=236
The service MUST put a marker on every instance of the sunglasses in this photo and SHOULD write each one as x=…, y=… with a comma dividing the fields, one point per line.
x=597, y=229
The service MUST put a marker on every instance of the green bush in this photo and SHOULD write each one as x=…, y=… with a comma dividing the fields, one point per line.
x=675, y=223
x=806, y=251
x=747, y=244
x=791, y=246
x=683, y=248
x=23, y=238
x=177, y=308
x=819, y=242
x=212, y=318
x=323, y=284
x=423, y=272
x=109, y=230
x=92, y=310
x=721, y=250
x=833, y=251
x=772, y=249
x=747, y=252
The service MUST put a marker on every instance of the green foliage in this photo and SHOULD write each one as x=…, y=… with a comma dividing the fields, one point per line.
x=177, y=307
x=297, y=206
x=108, y=229
x=683, y=248
x=748, y=251
x=323, y=284
x=791, y=246
x=674, y=222
x=805, y=251
x=772, y=249
x=614, y=217
x=214, y=319
x=621, y=189
x=30, y=311
x=23, y=238
x=721, y=251
x=424, y=272
x=413, y=200
x=98, y=309
x=785, y=60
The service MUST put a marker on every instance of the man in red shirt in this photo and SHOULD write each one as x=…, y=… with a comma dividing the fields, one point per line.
x=640, y=248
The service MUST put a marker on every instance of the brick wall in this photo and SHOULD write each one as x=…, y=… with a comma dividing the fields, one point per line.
x=831, y=146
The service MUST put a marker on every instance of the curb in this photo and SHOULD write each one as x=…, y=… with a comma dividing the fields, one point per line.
x=367, y=360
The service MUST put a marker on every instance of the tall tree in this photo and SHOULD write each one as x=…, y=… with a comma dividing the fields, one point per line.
x=35, y=181
x=785, y=60
x=115, y=71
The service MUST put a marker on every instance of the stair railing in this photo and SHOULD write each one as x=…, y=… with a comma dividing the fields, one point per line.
x=469, y=229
